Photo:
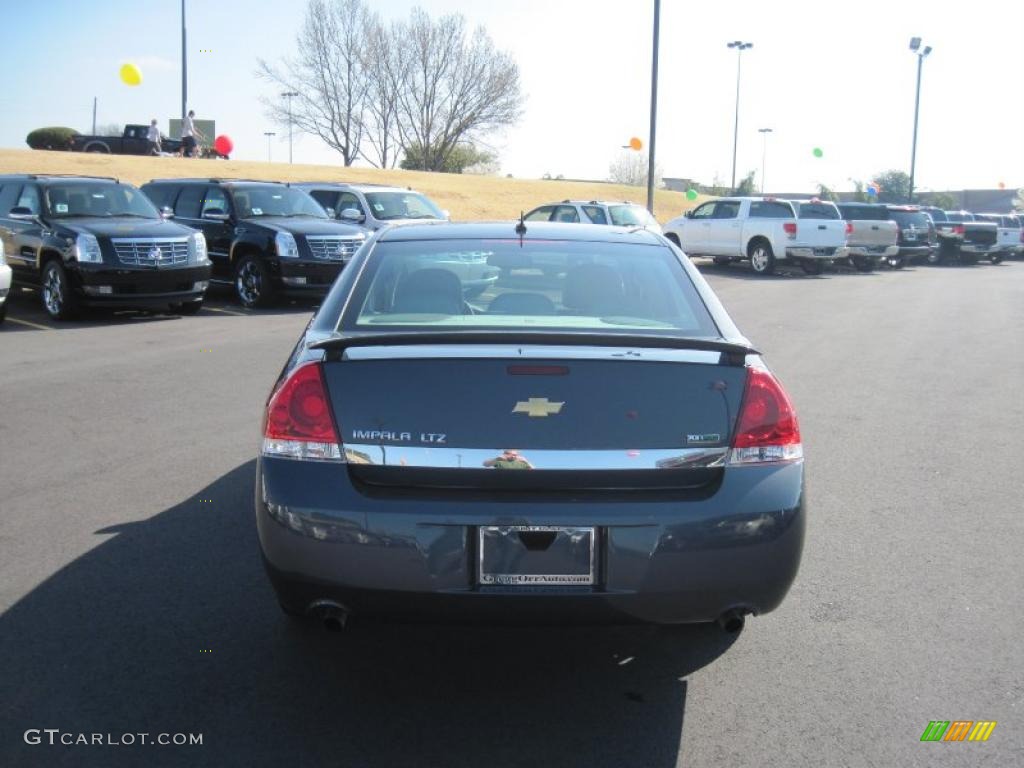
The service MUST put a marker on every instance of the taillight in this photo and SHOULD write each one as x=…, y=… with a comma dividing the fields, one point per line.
x=959, y=229
x=767, y=429
x=298, y=422
x=789, y=227
x=849, y=228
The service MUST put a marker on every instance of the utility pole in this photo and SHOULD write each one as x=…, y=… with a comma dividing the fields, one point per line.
x=764, y=152
x=915, y=46
x=740, y=47
x=654, y=108
x=184, y=65
x=289, y=95
x=268, y=134
x=93, y=115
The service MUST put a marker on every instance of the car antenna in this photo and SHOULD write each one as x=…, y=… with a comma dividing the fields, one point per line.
x=521, y=226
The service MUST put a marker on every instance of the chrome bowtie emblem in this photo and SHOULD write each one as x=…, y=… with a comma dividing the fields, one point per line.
x=155, y=254
x=537, y=407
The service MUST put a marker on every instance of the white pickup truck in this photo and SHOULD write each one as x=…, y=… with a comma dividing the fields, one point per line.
x=1009, y=237
x=763, y=230
x=821, y=234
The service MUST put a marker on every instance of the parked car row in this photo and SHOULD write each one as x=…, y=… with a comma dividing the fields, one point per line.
x=96, y=241
x=814, y=232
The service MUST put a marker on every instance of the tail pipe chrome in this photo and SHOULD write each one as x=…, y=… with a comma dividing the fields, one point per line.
x=334, y=616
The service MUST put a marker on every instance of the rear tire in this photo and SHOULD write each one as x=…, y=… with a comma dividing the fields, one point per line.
x=934, y=257
x=673, y=238
x=3, y=312
x=895, y=262
x=59, y=300
x=722, y=261
x=253, y=285
x=762, y=260
x=812, y=266
x=996, y=258
x=863, y=264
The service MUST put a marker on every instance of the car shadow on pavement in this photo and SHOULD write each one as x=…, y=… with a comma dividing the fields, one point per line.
x=169, y=626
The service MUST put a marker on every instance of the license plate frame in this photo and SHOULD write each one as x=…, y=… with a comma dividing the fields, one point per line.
x=574, y=545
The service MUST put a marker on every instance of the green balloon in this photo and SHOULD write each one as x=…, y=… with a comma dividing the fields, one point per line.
x=691, y=194
x=818, y=152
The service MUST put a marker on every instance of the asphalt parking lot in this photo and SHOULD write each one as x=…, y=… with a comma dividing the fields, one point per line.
x=133, y=599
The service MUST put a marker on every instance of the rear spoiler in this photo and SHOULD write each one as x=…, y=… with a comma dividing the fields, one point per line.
x=733, y=353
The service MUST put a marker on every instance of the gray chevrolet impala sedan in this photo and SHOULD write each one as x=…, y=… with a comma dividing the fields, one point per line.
x=591, y=439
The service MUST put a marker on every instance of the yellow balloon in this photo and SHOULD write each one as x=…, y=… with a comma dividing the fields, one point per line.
x=130, y=75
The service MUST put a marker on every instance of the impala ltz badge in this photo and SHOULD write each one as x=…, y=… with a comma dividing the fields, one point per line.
x=537, y=407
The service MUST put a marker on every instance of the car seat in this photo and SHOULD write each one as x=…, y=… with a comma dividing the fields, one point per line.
x=429, y=291
x=513, y=303
x=594, y=289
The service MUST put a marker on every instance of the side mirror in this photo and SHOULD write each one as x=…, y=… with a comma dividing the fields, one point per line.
x=352, y=214
x=331, y=213
x=689, y=214
x=22, y=214
x=444, y=212
x=166, y=212
x=215, y=214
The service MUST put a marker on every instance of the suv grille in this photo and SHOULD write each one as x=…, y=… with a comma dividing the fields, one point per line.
x=331, y=248
x=151, y=252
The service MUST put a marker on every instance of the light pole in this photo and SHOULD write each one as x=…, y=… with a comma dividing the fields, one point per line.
x=289, y=95
x=269, y=134
x=654, y=108
x=184, y=65
x=915, y=46
x=740, y=47
x=764, y=152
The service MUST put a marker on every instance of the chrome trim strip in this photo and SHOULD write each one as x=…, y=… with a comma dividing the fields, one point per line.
x=473, y=458
x=503, y=351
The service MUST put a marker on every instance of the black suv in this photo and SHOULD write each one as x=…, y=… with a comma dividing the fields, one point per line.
x=98, y=242
x=264, y=238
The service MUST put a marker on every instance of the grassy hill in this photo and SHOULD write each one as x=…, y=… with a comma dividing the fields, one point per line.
x=466, y=197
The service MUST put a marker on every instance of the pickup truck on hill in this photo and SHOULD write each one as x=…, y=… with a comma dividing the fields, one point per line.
x=870, y=235
x=133, y=141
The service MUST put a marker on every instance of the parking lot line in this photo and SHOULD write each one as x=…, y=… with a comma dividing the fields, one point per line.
x=30, y=325
x=226, y=311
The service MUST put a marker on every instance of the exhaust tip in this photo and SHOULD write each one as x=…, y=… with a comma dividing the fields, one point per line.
x=332, y=615
x=732, y=621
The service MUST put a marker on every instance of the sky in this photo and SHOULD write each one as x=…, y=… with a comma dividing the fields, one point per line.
x=833, y=75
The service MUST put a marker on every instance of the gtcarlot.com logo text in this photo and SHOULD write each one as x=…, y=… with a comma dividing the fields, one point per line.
x=55, y=737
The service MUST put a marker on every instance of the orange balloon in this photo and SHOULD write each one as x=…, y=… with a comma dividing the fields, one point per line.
x=1002, y=185
x=636, y=144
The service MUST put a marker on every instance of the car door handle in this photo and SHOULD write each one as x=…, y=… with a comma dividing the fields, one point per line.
x=875, y=229
x=822, y=226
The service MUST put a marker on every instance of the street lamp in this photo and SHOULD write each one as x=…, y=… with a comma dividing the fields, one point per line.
x=915, y=47
x=184, y=66
x=764, y=152
x=289, y=95
x=740, y=47
x=654, y=108
x=268, y=134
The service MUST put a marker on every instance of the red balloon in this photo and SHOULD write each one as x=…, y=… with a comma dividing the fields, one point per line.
x=223, y=144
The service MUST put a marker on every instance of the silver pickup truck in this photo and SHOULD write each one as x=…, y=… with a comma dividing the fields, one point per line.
x=870, y=235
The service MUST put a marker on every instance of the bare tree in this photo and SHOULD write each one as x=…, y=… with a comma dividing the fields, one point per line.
x=328, y=74
x=631, y=168
x=385, y=72
x=454, y=89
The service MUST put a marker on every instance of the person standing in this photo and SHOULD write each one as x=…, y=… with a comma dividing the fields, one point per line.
x=189, y=134
x=154, y=138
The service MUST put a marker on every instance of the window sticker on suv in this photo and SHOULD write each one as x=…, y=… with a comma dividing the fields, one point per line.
x=257, y=211
x=61, y=207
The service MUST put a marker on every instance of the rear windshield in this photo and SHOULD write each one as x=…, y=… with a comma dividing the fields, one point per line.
x=539, y=285
x=919, y=219
x=630, y=216
x=1013, y=222
x=253, y=202
x=936, y=214
x=816, y=211
x=863, y=213
x=958, y=216
x=89, y=199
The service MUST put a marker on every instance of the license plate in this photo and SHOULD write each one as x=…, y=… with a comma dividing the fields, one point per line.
x=911, y=236
x=536, y=555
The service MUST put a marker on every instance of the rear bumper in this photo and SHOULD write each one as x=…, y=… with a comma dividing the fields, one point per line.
x=980, y=250
x=801, y=252
x=412, y=555
x=873, y=251
x=911, y=251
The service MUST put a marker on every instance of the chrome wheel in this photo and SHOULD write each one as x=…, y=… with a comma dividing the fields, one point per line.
x=761, y=259
x=53, y=291
x=249, y=283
